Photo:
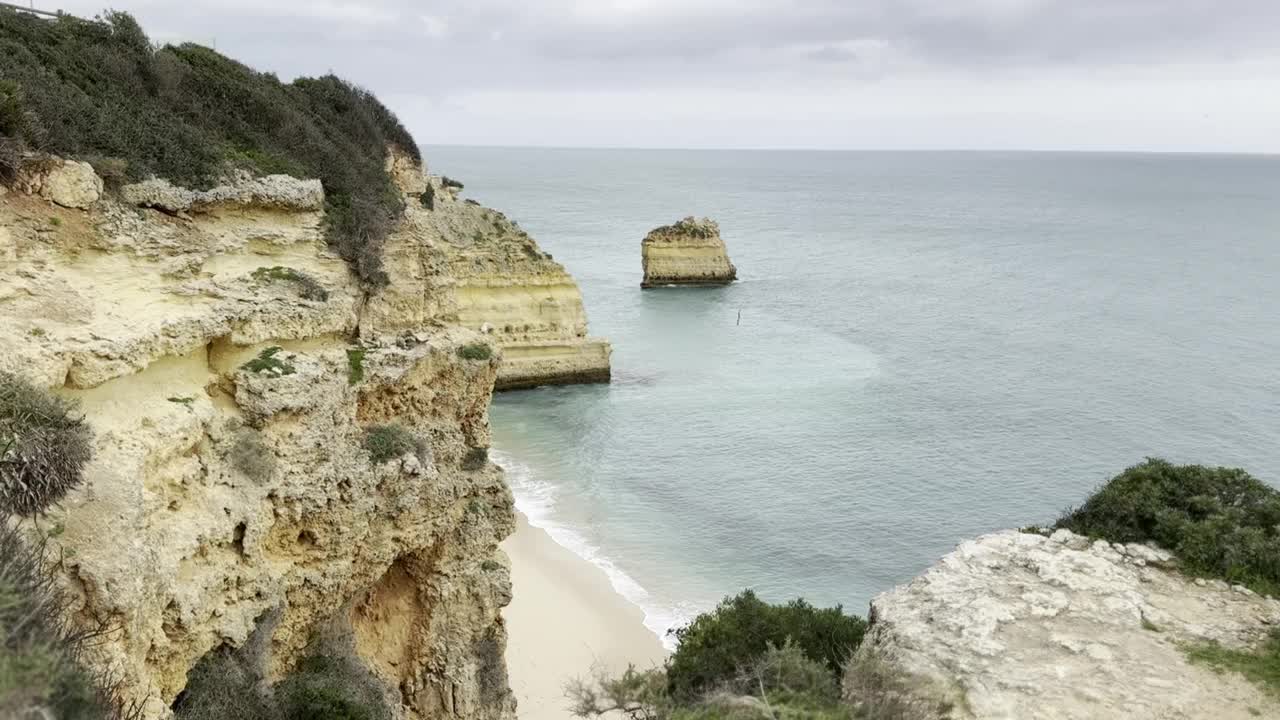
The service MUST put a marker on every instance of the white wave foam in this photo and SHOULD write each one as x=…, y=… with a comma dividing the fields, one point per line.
x=536, y=499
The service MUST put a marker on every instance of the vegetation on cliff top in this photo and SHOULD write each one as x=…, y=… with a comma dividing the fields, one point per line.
x=1261, y=666
x=1220, y=522
x=101, y=91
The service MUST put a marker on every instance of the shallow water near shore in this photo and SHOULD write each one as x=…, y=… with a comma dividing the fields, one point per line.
x=930, y=346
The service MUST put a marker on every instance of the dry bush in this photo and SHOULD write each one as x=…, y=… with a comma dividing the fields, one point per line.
x=252, y=457
x=41, y=668
x=44, y=446
x=877, y=691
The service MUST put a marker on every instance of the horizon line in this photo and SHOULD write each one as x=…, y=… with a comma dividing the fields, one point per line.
x=1008, y=151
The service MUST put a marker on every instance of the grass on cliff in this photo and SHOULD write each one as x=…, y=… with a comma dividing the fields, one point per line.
x=102, y=92
x=385, y=443
x=266, y=361
x=1220, y=522
x=1261, y=666
x=308, y=286
x=475, y=351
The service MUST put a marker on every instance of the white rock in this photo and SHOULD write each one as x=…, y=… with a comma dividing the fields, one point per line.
x=276, y=192
x=1012, y=630
x=72, y=184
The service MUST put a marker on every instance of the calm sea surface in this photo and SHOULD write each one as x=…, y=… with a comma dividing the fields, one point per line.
x=931, y=346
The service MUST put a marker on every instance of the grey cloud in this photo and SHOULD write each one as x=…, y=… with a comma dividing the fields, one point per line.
x=435, y=55
x=435, y=47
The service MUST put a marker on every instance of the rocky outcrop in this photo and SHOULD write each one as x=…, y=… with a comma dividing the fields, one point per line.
x=279, y=192
x=229, y=482
x=690, y=252
x=1022, y=626
x=501, y=284
x=68, y=183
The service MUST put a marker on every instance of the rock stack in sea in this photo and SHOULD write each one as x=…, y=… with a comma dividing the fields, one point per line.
x=690, y=252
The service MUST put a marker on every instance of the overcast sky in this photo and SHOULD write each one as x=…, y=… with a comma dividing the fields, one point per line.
x=1197, y=75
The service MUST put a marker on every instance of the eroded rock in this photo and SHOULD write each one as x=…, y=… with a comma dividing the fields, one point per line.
x=222, y=492
x=689, y=252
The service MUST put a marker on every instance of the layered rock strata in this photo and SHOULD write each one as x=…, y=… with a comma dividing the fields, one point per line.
x=231, y=366
x=508, y=288
x=1027, y=627
x=690, y=252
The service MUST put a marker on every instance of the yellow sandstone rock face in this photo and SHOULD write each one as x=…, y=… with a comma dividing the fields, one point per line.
x=501, y=284
x=225, y=498
x=689, y=252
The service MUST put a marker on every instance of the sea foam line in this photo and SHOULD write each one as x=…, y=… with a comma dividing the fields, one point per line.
x=536, y=500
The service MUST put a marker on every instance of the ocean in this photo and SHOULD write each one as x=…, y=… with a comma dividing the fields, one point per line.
x=922, y=347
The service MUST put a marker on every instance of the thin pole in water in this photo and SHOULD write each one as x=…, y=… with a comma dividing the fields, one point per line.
x=739, y=316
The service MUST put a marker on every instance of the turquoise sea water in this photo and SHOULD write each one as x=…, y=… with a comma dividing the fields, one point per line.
x=931, y=346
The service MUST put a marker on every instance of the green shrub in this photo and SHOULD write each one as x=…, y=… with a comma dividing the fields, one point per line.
x=389, y=442
x=1220, y=522
x=1262, y=666
x=98, y=88
x=450, y=182
x=428, y=197
x=329, y=684
x=475, y=351
x=716, y=644
x=266, y=361
x=779, y=684
x=44, y=446
x=308, y=287
x=355, y=366
x=316, y=701
x=252, y=457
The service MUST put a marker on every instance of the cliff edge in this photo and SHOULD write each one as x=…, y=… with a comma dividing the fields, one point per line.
x=689, y=252
x=1021, y=626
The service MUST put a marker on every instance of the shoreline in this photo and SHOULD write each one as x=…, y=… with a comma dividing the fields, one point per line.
x=565, y=620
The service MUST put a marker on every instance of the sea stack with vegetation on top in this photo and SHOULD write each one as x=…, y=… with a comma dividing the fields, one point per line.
x=688, y=252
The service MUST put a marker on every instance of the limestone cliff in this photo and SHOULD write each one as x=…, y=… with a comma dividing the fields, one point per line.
x=690, y=252
x=1020, y=626
x=500, y=284
x=230, y=366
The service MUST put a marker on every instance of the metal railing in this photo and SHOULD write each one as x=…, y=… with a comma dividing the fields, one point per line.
x=32, y=10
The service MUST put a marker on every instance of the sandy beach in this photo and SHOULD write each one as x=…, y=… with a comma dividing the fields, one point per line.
x=565, y=618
